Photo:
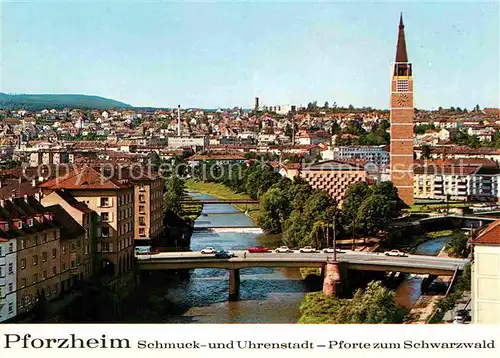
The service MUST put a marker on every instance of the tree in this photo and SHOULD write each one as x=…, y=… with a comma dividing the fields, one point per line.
x=173, y=194
x=426, y=151
x=374, y=214
x=374, y=305
x=355, y=195
x=275, y=210
x=326, y=106
x=457, y=246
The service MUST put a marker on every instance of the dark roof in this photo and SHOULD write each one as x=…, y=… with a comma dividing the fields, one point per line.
x=70, y=228
x=401, y=55
x=71, y=200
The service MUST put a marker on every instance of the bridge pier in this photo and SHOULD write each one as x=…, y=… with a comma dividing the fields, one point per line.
x=335, y=275
x=234, y=284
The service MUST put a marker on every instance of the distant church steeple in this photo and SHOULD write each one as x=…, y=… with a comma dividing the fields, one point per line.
x=401, y=55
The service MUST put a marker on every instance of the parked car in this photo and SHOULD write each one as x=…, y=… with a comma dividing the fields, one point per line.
x=283, y=249
x=464, y=315
x=222, y=254
x=458, y=320
x=396, y=253
x=308, y=249
x=208, y=250
x=257, y=249
x=330, y=250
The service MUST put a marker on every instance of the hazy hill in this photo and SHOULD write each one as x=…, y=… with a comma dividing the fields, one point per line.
x=57, y=101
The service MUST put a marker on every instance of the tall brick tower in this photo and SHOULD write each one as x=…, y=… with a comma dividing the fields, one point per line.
x=402, y=121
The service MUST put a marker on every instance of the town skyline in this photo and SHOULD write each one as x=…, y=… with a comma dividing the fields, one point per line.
x=279, y=63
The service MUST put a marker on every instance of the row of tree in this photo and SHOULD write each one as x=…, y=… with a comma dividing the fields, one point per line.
x=303, y=215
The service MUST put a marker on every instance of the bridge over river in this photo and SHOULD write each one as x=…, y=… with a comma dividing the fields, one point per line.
x=352, y=260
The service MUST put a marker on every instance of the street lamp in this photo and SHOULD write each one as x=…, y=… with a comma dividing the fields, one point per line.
x=334, y=241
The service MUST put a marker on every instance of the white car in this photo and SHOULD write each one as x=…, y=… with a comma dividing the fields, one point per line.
x=330, y=250
x=208, y=250
x=283, y=249
x=308, y=249
x=396, y=253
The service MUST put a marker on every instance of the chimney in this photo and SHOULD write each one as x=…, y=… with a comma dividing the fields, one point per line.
x=33, y=182
x=256, y=103
x=179, y=120
x=0, y=183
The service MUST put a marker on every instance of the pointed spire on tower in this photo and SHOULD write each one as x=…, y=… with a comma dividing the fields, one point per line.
x=401, y=55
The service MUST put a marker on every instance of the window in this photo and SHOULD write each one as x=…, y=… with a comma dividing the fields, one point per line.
x=105, y=232
x=11, y=287
x=54, y=253
x=30, y=222
x=142, y=231
x=44, y=275
x=44, y=257
x=87, y=249
x=141, y=187
x=104, y=202
x=142, y=198
x=23, y=263
x=104, y=217
x=35, y=278
x=44, y=239
x=73, y=264
x=21, y=244
x=35, y=260
x=11, y=268
x=23, y=282
x=11, y=308
x=63, y=267
x=54, y=270
x=1, y=251
x=141, y=209
x=105, y=246
x=141, y=220
x=54, y=289
x=11, y=247
x=64, y=249
x=19, y=224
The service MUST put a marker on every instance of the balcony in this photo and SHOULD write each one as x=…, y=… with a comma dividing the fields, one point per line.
x=2, y=261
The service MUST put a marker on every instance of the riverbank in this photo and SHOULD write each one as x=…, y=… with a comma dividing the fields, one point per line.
x=223, y=192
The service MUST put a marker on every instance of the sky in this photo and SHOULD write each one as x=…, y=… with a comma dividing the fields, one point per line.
x=223, y=54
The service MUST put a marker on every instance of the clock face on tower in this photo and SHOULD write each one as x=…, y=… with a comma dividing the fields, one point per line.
x=403, y=100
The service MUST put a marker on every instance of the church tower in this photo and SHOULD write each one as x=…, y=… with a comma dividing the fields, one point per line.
x=401, y=99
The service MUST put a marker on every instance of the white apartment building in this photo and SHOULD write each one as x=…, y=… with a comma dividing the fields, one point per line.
x=460, y=183
x=372, y=154
x=8, y=279
x=187, y=141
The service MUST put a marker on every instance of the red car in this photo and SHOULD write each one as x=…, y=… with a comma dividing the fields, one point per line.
x=257, y=249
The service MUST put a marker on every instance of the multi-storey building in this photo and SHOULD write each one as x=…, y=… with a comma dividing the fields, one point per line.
x=83, y=215
x=111, y=196
x=198, y=142
x=452, y=182
x=8, y=265
x=333, y=176
x=148, y=205
x=371, y=154
x=39, y=262
x=401, y=103
x=485, y=276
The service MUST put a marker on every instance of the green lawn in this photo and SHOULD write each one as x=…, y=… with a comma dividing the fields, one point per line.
x=431, y=207
x=223, y=192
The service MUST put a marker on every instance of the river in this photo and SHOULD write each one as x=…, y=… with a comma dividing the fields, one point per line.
x=266, y=295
